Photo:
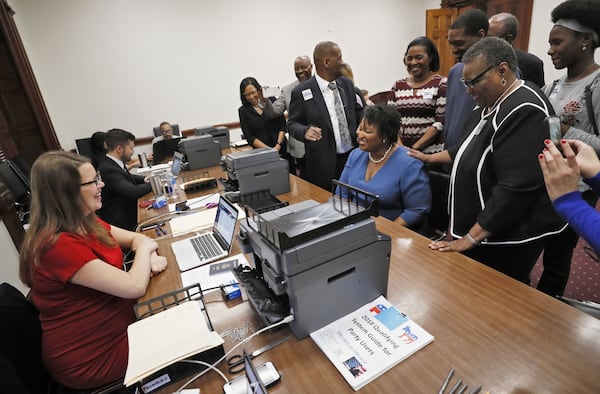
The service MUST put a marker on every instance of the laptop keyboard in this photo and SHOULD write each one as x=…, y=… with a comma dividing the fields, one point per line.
x=206, y=246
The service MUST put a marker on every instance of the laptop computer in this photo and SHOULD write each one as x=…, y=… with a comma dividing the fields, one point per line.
x=210, y=246
x=164, y=149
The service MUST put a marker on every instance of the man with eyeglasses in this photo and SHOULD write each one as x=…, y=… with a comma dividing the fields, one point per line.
x=465, y=31
x=506, y=26
x=121, y=189
x=303, y=71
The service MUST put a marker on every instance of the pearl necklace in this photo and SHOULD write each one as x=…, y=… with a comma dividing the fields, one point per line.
x=382, y=157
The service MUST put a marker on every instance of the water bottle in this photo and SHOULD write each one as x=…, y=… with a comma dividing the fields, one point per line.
x=173, y=186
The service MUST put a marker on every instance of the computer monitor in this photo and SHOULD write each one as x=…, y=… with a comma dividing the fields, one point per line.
x=164, y=149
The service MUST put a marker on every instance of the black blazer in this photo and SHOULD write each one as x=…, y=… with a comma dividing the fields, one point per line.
x=120, y=194
x=309, y=109
x=531, y=66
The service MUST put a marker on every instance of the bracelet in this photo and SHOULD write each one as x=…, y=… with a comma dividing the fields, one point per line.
x=472, y=240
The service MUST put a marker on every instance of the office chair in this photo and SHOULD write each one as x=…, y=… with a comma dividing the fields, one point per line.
x=84, y=147
x=381, y=97
x=10, y=216
x=436, y=224
x=176, y=132
x=22, y=168
x=19, y=190
x=21, y=350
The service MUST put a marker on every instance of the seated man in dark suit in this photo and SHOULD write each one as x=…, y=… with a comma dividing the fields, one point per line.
x=506, y=26
x=122, y=189
x=324, y=113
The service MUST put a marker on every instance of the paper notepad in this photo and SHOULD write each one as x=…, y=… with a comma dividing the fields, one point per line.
x=169, y=336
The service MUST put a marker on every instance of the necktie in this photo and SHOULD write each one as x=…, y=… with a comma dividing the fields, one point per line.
x=341, y=115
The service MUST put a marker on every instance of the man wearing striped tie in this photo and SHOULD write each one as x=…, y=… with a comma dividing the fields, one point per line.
x=324, y=113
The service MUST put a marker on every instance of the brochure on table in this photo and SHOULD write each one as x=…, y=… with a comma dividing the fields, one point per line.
x=367, y=342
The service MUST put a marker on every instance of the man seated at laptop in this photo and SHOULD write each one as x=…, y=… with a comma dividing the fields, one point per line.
x=121, y=189
x=165, y=144
x=166, y=132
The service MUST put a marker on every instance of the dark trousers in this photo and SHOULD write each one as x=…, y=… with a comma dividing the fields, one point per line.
x=557, y=256
x=516, y=261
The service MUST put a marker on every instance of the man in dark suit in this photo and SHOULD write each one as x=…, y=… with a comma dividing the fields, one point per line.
x=506, y=26
x=121, y=189
x=329, y=135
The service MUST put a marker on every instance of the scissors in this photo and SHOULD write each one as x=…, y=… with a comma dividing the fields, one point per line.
x=236, y=362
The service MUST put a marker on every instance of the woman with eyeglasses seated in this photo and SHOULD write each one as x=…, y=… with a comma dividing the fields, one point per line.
x=562, y=175
x=500, y=213
x=73, y=263
x=380, y=166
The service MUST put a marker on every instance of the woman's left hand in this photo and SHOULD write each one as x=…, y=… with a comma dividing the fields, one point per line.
x=457, y=245
x=561, y=175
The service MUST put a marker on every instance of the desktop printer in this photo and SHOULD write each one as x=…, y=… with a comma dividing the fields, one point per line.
x=257, y=169
x=315, y=261
x=201, y=151
x=220, y=133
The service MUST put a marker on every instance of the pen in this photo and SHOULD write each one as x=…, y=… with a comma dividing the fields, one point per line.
x=455, y=387
x=446, y=381
x=476, y=390
x=157, y=231
x=463, y=388
x=161, y=229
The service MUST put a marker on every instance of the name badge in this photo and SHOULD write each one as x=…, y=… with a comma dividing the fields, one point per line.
x=307, y=94
x=427, y=94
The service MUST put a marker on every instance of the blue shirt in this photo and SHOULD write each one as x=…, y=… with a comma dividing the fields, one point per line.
x=459, y=106
x=581, y=216
x=401, y=184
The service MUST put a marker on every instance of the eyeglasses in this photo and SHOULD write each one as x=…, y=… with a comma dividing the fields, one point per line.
x=97, y=179
x=471, y=83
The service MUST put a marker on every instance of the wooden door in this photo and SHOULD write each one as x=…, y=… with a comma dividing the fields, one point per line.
x=25, y=127
x=522, y=10
x=437, y=24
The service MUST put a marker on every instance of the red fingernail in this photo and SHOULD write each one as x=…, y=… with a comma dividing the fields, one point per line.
x=547, y=142
x=545, y=149
x=563, y=141
x=541, y=156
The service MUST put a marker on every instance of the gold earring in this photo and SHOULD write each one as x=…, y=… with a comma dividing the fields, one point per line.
x=503, y=82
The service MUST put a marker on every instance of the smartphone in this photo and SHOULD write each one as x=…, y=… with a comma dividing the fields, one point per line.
x=268, y=375
x=554, y=129
x=271, y=91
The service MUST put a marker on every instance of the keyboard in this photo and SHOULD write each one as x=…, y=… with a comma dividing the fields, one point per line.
x=206, y=246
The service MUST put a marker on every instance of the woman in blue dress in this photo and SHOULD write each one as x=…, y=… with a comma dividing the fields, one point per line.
x=382, y=167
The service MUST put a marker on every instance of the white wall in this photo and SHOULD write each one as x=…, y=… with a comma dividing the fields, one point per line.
x=131, y=64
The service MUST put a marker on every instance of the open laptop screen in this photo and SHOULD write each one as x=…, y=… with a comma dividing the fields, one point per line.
x=225, y=221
